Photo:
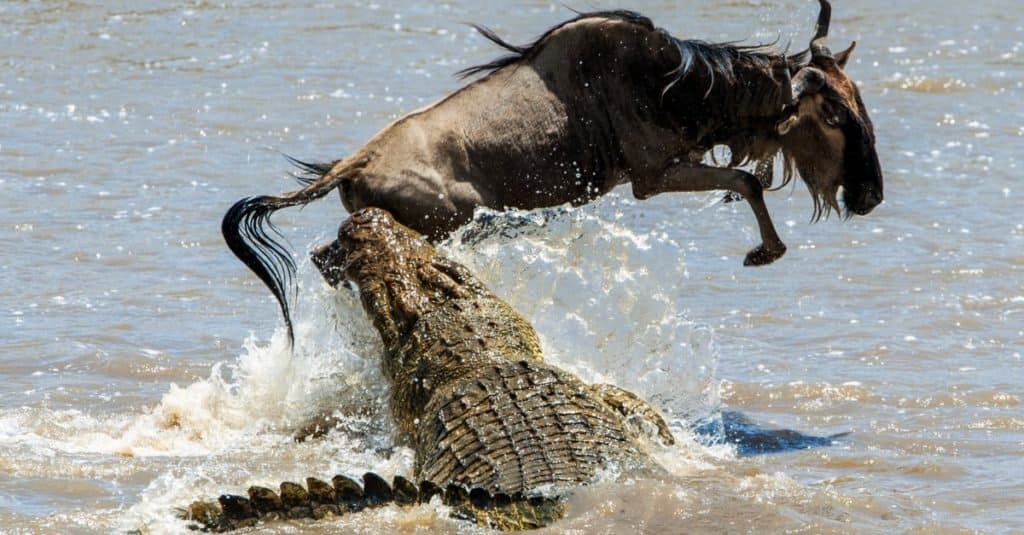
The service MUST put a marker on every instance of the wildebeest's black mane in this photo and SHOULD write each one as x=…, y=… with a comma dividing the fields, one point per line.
x=717, y=58
x=519, y=52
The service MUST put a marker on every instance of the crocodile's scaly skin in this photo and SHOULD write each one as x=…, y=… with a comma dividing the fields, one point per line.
x=469, y=389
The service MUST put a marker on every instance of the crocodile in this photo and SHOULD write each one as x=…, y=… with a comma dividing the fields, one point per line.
x=498, y=433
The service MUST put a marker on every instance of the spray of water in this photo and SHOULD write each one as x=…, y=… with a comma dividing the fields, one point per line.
x=607, y=300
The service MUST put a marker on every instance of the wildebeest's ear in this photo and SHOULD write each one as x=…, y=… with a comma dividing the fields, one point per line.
x=807, y=81
x=842, y=57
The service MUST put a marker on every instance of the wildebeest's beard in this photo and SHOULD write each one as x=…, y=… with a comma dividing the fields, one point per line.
x=824, y=189
x=820, y=169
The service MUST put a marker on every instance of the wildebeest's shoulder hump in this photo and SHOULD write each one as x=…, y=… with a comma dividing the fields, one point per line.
x=593, y=28
x=581, y=23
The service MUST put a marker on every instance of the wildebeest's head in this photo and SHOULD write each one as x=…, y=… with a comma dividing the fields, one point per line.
x=826, y=132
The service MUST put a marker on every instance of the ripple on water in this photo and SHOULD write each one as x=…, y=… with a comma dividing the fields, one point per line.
x=966, y=398
x=824, y=394
x=920, y=83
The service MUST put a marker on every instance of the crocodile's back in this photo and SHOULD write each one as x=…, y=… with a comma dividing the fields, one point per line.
x=515, y=426
x=484, y=411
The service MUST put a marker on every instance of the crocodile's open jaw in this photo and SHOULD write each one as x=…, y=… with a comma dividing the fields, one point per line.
x=393, y=266
x=326, y=259
x=370, y=237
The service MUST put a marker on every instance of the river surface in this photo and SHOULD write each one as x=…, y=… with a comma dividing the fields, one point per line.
x=142, y=366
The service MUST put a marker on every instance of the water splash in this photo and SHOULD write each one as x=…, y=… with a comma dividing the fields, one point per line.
x=607, y=300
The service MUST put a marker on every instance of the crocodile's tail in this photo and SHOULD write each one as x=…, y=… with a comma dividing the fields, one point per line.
x=343, y=495
x=503, y=512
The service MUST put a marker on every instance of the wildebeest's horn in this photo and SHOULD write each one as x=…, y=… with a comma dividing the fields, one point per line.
x=821, y=30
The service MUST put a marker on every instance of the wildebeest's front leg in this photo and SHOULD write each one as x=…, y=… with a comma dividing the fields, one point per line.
x=697, y=177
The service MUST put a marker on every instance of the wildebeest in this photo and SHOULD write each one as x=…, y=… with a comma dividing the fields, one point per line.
x=600, y=100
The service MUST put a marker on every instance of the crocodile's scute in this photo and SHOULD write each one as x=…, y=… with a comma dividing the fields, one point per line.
x=497, y=433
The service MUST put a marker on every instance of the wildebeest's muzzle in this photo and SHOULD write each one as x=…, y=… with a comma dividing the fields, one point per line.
x=862, y=184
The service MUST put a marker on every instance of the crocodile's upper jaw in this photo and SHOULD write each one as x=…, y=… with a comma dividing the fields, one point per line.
x=327, y=258
x=399, y=274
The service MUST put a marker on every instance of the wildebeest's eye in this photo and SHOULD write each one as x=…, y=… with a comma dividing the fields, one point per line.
x=833, y=115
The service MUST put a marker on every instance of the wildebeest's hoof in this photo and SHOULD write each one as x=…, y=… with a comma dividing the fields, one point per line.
x=761, y=255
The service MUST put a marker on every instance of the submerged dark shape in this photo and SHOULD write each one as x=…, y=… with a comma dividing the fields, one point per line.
x=502, y=432
x=733, y=427
x=601, y=100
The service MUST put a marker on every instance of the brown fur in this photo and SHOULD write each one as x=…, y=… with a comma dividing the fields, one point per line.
x=601, y=100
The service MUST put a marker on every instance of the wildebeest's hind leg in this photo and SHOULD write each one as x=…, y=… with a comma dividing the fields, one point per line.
x=696, y=177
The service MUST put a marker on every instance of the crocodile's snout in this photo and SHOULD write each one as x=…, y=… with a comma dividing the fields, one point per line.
x=370, y=232
x=329, y=259
x=371, y=215
x=371, y=227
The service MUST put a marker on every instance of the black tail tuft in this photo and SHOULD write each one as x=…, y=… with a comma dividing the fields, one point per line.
x=244, y=229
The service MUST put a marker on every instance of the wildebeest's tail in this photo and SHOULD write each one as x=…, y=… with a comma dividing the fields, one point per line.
x=245, y=228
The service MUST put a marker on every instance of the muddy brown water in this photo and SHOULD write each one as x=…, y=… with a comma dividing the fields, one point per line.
x=141, y=365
